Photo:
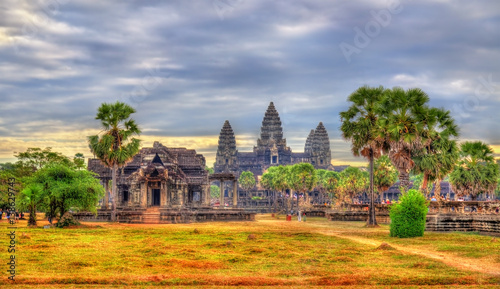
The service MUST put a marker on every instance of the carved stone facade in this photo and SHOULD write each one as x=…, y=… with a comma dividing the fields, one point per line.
x=271, y=149
x=158, y=177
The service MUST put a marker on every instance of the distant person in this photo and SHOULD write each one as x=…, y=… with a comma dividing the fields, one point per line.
x=299, y=216
x=304, y=216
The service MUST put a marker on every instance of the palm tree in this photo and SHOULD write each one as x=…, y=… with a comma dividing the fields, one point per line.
x=115, y=147
x=280, y=181
x=438, y=156
x=360, y=126
x=247, y=181
x=476, y=171
x=403, y=123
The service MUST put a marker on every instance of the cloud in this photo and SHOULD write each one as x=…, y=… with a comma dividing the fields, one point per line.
x=186, y=69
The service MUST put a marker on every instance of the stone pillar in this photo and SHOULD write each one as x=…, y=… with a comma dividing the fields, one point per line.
x=144, y=195
x=106, y=196
x=167, y=199
x=235, y=193
x=180, y=196
x=221, y=201
x=163, y=194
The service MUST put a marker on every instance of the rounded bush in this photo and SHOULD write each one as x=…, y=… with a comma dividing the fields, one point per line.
x=408, y=216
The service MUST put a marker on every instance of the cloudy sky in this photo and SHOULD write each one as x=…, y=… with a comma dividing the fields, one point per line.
x=187, y=66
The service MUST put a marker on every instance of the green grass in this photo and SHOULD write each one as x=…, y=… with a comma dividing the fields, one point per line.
x=221, y=254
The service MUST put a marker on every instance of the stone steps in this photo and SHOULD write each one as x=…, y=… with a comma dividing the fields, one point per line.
x=151, y=216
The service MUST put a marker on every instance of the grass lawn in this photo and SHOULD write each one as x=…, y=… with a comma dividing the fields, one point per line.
x=267, y=252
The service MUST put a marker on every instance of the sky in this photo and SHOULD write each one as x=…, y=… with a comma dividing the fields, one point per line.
x=187, y=66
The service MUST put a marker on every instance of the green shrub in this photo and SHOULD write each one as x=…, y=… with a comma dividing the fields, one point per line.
x=408, y=216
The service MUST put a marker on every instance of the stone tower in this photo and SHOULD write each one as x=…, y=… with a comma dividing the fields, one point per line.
x=226, y=158
x=321, y=154
x=271, y=147
x=309, y=141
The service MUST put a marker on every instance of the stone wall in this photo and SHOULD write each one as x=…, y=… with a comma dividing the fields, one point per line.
x=445, y=216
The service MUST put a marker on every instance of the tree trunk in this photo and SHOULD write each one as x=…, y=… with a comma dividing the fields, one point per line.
x=32, y=218
x=113, y=193
x=423, y=187
x=372, y=221
x=404, y=178
x=437, y=190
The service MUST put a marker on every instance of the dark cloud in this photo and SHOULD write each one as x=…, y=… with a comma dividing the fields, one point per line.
x=186, y=69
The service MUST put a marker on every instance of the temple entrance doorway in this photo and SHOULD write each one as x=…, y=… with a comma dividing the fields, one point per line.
x=156, y=197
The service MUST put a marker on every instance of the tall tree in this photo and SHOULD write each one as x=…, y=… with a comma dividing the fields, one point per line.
x=115, y=147
x=281, y=183
x=79, y=161
x=247, y=180
x=57, y=188
x=360, y=126
x=403, y=123
x=352, y=182
x=384, y=174
x=438, y=156
x=302, y=179
x=476, y=172
x=327, y=182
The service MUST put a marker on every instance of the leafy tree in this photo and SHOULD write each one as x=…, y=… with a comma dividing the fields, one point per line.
x=302, y=179
x=327, y=182
x=409, y=215
x=36, y=158
x=384, y=174
x=267, y=183
x=352, y=182
x=247, y=180
x=5, y=177
x=280, y=181
x=418, y=181
x=209, y=170
x=115, y=147
x=79, y=161
x=360, y=126
x=214, y=191
x=476, y=172
x=57, y=188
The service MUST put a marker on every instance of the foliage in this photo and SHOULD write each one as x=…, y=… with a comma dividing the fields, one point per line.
x=247, y=180
x=403, y=122
x=36, y=158
x=409, y=215
x=209, y=170
x=5, y=176
x=214, y=191
x=352, y=182
x=116, y=147
x=327, y=182
x=418, y=183
x=79, y=161
x=57, y=188
x=384, y=174
x=476, y=171
x=302, y=177
x=30, y=198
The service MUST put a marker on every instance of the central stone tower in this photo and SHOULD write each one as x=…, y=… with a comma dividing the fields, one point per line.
x=271, y=147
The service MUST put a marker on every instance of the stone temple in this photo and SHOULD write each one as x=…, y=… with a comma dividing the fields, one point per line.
x=160, y=185
x=271, y=148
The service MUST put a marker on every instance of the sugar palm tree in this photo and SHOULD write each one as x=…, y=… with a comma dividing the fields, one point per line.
x=476, y=171
x=360, y=126
x=403, y=126
x=438, y=156
x=115, y=147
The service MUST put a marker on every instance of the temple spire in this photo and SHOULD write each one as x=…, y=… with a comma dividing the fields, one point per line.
x=226, y=150
x=271, y=131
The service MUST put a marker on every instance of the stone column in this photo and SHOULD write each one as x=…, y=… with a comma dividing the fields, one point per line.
x=144, y=195
x=221, y=201
x=235, y=193
x=180, y=196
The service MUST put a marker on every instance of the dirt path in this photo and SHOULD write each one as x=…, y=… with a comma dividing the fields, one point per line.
x=454, y=261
